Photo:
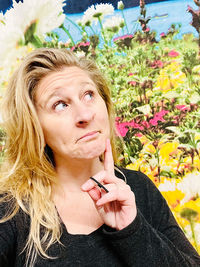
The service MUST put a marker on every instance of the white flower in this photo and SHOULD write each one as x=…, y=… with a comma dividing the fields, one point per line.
x=47, y=15
x=103, y=10
x=167, y=186
x=80, y=54
x=120, y=5
x=114, y=23
x=95, y=12
x=11, y=60
x=190, y=186
x=2, y=19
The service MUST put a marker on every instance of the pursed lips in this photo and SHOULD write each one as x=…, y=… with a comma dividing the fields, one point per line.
x=88, y=134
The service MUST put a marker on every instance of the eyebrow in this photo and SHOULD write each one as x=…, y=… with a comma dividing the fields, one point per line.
x=58, y=93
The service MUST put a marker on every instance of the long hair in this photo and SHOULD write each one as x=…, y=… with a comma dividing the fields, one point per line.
x=27, y=173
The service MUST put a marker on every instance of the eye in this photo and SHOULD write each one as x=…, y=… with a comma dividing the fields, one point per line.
x=60, y=105
x=89, y=95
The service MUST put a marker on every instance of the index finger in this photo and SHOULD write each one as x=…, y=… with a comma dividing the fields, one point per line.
x=108, y=158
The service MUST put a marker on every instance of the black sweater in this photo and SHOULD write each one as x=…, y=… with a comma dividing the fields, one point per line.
x=153, y=239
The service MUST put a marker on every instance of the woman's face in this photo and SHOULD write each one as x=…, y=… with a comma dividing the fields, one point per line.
x=72, y=114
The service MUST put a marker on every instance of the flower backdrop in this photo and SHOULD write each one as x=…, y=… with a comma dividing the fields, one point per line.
x=155, y=88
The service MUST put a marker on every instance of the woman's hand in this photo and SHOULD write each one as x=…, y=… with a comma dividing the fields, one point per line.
x=117, y=207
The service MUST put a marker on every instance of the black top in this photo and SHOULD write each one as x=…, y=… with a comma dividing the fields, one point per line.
x=153, y=239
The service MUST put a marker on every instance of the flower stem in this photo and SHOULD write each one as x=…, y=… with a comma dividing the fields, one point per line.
x=125, y=21
x=101, y=26
x=92, y=30
x=72, y=22
x=193, y=234
x=68, y=33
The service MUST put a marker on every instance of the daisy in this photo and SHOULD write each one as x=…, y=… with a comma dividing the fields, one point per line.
x=114, y=23
x=36, y=17
x=120, y=5
x=45, y=14
x=97, y=11
x=190, y=185
x=103, y=10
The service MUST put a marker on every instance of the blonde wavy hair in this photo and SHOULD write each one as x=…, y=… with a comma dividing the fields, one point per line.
x=27, y=174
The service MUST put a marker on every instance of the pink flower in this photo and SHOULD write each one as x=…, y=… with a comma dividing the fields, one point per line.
x=146, y=124
x=182, y=107
x=162, y=34
x=122, y=128
x=173, y=53
x=84, y=44
x=158, y=117
x=138, y=134
x=133, y=83
x=147, y=30
x=130, y=74
x=153, y=122
x=126, y=36
x=73, y=48
x=135, y=125
x=157, y=64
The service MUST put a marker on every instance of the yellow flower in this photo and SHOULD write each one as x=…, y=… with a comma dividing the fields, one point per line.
x=169, y=190
x=173, y=198
x=168, y=149
x=149, y=148
x=171, y=77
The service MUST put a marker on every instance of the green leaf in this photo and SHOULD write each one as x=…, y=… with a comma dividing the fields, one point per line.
x=29, y=34
x=146, y=109
x=174, y=129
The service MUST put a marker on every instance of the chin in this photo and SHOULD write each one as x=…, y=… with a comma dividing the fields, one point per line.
x=92, y=152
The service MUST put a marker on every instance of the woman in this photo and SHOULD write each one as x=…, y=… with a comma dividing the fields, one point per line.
x=63, y=203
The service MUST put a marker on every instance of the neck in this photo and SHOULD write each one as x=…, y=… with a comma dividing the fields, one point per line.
x=73, y=173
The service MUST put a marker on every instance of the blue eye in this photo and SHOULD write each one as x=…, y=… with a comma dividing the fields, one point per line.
x=60, y=105
x=89, y=95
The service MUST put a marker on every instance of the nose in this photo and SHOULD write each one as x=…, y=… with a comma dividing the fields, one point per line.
x=84, y=115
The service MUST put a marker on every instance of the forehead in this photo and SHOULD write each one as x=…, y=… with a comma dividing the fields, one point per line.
x=66, y=74
x=57, y=81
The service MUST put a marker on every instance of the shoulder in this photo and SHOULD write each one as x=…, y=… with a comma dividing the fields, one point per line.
x=148, y=198
x=135, y=179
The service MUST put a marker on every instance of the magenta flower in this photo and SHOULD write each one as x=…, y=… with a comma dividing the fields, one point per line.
x=84, y=44
x=138, y=134
x=157, y=64
x=182, y=107
x=123, y=37
x=130, y=74
x=122, y=128
x=158, y=117
x=146, y=124
x=133, y=83
x=173, y=53
x=162, y=34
